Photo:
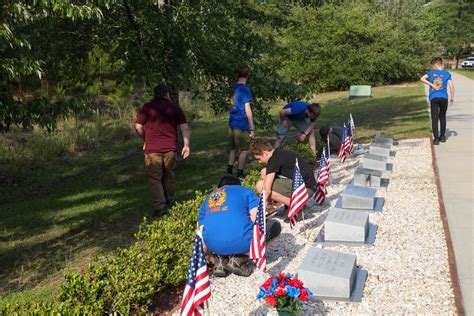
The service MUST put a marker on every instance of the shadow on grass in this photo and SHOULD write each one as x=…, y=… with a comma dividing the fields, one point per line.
x=88, y=206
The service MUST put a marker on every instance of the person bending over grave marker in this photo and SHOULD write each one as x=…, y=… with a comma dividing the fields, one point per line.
x=226, y=219
x=303, y=116
x=277, y=177
x=335, y=137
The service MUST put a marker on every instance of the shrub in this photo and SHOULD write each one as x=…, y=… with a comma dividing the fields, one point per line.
x=302, y=149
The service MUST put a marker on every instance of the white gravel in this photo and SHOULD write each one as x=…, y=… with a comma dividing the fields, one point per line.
x=407, y=266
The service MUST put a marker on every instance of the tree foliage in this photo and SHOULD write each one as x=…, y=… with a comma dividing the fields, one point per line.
x=89, y=48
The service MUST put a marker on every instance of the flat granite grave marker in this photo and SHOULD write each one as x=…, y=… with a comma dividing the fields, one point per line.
x=378, y=207
x=380, y=149
x=384, y=140
x=344, y=225
x=375, y=162
x=332, y=275
x=357, y=197
x=347, y=227
x=367, y=177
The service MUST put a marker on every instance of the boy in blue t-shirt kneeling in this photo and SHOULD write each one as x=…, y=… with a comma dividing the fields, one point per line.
x=226, y=218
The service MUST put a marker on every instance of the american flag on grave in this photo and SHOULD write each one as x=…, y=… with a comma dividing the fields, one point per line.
x=258, y=243
x=327, y=151
x=351, y=124
x=341, y=154
x=348, y=142
x=323, y=178
x=198, y=286
x=323, y=173
x=299, y=195
x=320, y=195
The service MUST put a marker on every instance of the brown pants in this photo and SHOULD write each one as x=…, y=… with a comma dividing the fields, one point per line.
x=160, y=168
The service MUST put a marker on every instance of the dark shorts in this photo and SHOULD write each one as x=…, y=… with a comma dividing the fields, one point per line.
x=273, y=229
x=239, y=139
x=283, y=186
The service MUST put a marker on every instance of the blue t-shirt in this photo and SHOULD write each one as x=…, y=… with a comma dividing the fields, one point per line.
x=298, y=109
x=241, y=95
x=225, y=216
x=439, y=78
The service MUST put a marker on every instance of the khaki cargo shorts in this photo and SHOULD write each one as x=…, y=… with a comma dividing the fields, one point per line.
x=239, y=139
x=283, y=186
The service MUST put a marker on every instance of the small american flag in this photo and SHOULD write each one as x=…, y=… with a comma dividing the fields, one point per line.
x=341, y=154
x=323, y=174
x=257, y=245
x=348, y=142
x=299, y=195
x=328, y=152
x=320, y=195
x=198, y=287
x=351, y=124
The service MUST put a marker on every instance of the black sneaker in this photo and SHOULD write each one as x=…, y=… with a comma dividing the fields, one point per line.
x=436, y=141
x=240, y=174
x=238, y=265
x=442, y=139
x=219, y=268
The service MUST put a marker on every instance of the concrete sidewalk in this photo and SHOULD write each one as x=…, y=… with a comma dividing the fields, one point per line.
x=455, y=161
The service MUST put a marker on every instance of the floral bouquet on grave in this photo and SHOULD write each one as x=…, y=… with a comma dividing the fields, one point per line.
x=284, y=292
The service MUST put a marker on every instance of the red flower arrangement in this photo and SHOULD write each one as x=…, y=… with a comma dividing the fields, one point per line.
x=285, y=293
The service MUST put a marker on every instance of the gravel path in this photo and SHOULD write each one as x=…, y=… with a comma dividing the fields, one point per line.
x=407, y=266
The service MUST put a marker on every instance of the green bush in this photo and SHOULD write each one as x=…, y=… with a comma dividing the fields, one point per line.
x=302, y=149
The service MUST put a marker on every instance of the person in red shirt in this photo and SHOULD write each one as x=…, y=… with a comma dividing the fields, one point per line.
x=157, y=122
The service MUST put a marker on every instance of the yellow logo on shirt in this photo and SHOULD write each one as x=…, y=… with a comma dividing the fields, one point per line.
x=216, y=199
x=438, y=82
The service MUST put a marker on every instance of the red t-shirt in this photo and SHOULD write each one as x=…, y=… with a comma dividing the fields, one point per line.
x=161, y=118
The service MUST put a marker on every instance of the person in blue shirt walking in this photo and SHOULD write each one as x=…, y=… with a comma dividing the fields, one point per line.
x=226, y=219
x=303, y=116
x=241, y=128
x=439, y=80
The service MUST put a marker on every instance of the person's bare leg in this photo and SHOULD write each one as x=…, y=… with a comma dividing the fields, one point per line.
x=243, y=158
x=231, y=161
x=312, y=142
x=231, y=157
x=259, y=186
x=277, y=197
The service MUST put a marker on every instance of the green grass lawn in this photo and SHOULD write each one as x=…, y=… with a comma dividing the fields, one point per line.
x=465, y=72
x=63, y=210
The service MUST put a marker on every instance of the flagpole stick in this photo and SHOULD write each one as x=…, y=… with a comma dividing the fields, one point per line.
x=208, y=311
x=304, y=224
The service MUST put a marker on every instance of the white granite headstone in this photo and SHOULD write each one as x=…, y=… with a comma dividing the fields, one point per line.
x=374, y=162
x=357, y=197
x=384, y=139
x=345, y=225
x=380, y=149
x=367, y=177
x=328, y=273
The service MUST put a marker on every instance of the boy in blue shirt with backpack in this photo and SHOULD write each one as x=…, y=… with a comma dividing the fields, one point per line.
x=439, y=80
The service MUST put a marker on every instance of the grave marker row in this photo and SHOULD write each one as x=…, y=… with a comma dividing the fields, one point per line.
x=334, y=275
